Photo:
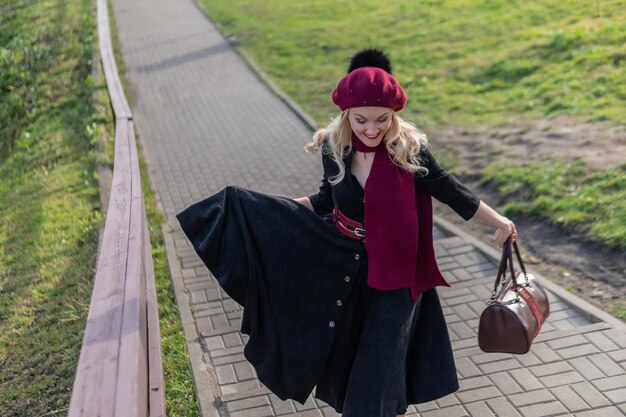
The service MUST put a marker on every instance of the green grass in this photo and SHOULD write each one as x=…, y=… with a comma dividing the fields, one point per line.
x=54, y=114
x=567, y=194
x=461, y=62
x=464, y=63
x=619, y=312
x=179, y=389
x=49, y=209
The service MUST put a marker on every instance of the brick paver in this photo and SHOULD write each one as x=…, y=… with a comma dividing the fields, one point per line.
x=206, y=121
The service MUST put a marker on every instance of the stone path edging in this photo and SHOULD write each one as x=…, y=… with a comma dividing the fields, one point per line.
x=203, y=376
x=263, y=77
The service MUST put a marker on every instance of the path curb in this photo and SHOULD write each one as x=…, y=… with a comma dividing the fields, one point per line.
x=204, y=379
x=261, y=75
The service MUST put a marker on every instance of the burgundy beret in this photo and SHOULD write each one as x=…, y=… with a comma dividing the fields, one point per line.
x=369, y=86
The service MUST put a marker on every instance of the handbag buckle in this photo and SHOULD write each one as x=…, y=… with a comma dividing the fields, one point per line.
x=515, y=286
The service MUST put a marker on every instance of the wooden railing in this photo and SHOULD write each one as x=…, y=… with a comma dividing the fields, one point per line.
x=120, y=370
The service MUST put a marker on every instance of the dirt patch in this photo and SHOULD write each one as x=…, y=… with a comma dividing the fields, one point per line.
x=592, y=271
x=599, y=146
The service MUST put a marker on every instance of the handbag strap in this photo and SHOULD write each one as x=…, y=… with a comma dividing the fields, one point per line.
x=519, y=260
x=512, y=269
x=507, y=261
x=501, y=268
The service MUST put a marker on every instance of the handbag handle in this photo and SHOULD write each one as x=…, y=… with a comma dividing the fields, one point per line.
x=507, y=260
x=519, y=260
x=501, y=269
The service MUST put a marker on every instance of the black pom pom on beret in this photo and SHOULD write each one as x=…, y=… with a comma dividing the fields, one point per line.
x=370, y=57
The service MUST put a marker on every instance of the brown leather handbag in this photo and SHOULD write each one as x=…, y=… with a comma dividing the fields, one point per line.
x=514, y=314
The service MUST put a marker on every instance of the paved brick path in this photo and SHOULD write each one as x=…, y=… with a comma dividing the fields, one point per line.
x=206, y=121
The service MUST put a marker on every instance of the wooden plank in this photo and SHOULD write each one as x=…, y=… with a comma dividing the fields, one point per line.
x=156, y=395
x=132, y=377
x=94, y=384
x=114, y=85
x=112, y=377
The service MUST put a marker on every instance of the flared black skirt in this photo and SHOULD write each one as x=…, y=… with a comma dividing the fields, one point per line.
x=312, y=319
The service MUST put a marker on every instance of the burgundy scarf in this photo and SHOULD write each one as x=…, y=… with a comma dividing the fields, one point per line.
x=398, y=224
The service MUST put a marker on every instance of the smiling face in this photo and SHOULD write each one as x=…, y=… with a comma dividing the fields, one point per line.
x=370, y=123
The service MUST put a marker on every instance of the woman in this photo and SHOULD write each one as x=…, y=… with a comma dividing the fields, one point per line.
x=338, y=288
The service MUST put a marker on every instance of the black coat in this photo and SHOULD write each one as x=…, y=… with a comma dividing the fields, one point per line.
x=288, y=267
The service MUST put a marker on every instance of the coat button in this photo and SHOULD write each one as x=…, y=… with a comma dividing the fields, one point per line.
x=347, y=278
x=357, y=256
x=339, y=303
x=331, y=324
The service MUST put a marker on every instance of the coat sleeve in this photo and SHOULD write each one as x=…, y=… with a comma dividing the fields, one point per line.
x=445, y=187
x=322, y=202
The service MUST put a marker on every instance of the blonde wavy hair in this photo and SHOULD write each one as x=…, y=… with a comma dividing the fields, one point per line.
x=403, y=141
